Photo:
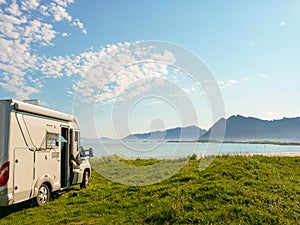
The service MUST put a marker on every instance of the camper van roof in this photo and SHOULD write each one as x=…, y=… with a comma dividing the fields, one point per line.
x=27, y=107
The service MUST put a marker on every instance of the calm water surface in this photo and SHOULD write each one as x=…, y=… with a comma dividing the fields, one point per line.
x=175, y=150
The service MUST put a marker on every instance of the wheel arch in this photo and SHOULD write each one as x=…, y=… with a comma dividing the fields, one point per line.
x=89, y=170
x=45, y=179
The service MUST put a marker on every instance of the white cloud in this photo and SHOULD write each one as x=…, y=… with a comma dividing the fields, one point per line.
x=69, y=65
x=245, y=79
x=9, y=29
x=263, y=75
x=12, y=19
x=24, y=71
x=59, y=13
x=227, y=84
x=64, y=34
x=37, y=82
x=70, y=93
x=188, y=90
x=30, y=4
x=40, y=32
x=14, y=9
x=282, y=23
x=232, y=82
x=24, y=25
x=44, y=10
x=64, y=2
x=120, y=69
x=16, y=84
x=155, y=102
x=80, y=25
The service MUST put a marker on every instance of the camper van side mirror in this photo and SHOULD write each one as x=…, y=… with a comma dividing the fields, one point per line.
x=86, y=152
x=91, y=152
x=82, y=152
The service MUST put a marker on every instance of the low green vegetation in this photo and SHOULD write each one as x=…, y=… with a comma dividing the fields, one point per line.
x=232, y=190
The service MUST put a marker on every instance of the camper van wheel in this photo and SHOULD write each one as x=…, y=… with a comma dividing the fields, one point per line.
x=43, y=195
x=85, y=180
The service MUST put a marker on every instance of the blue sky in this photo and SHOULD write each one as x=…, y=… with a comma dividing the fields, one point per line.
x=251, y=47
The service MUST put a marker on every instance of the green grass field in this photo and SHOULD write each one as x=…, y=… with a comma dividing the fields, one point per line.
x=232, y=190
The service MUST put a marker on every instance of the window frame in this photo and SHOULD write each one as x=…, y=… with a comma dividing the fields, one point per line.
x=55, y=143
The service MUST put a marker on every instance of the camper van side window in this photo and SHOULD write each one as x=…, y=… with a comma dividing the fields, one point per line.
x=51, y=140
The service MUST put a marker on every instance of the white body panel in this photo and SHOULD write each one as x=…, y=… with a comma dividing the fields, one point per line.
x=30, y=140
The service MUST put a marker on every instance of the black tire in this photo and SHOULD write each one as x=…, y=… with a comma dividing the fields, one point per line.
x=85, y=179
x=43, y=195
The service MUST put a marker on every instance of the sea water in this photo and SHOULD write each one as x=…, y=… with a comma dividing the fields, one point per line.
x=182, y=149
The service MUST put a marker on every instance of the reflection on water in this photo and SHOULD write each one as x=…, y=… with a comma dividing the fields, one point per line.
x=170, y=150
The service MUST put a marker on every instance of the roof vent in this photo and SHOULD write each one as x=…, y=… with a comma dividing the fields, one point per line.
x=33, y=102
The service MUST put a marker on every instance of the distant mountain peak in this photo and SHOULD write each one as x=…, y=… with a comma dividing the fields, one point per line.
x=241, y=128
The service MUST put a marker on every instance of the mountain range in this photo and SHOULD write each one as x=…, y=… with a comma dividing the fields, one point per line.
x=238, y=128
x=178, y=133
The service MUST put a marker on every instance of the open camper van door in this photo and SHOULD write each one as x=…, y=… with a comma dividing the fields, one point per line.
x=39, y=153
x=64, y=157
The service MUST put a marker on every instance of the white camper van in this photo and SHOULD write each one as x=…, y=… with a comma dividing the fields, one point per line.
x=39, y=153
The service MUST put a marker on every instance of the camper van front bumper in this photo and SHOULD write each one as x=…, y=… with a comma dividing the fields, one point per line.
x=6, y=199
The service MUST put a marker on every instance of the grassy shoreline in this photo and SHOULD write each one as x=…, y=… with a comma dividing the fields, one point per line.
x=232, y=190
